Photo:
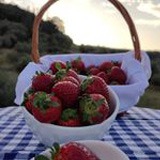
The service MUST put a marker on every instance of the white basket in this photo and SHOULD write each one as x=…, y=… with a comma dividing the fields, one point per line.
x=138, y=74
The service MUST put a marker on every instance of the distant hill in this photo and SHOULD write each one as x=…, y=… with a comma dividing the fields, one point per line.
x=16, y=29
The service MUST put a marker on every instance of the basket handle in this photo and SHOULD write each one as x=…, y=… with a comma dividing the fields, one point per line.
x=35, y=33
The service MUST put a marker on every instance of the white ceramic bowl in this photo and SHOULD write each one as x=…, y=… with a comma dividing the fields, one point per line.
x=103, y=150
x=50, y=133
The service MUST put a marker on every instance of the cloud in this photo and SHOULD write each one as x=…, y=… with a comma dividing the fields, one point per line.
x=150, y=8
x=152, y=23
x=22, y=4
x=102, y=6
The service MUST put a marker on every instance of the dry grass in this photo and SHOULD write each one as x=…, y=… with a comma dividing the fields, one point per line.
x=151, y=98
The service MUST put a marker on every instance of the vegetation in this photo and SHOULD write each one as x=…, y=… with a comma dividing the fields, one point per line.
x=15, y=47
x=150, y=98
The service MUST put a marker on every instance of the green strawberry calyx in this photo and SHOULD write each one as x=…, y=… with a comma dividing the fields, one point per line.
x=86, y=82
x=54, y=151
x=43, y=101
x=60, y=74
x=90, y=107
x=68, y=114
x=58, y=66
x=68, y=66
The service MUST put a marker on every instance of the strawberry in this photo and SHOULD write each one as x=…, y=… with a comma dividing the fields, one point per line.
x=42, y=82
x=90, y=66
x=106, y=66
x=93, y=71
x=57, y=65
x=75, y=151
x=65, y=73
x=71, y=79
x=94, y=108
x=118, y=75
x=69, y=117
x=104, y=76
x=78, y=65
x=67, y=91
x=95, y=84
x=72, y=73
x=28, y=98
x=28, y=102
x=46, y=107
x=69, y=151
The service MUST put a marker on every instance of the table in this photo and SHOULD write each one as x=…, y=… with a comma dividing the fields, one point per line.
x=137, y=134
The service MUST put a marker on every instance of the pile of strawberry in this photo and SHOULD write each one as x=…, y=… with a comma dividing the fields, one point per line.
x=69, y=151
x=109, y=71
x=61, y=97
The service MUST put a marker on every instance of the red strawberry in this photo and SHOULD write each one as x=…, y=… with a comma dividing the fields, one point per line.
x=67, y=91
x=75, y=151
x=106, y=66
x=78, y=65
x=42, y=82
x=28, y=99
x=94, y=108
x=90, y=66
x=72, y=73
x=118, y=75
x=46, y=107
x=65, y=73
x=104, y=76
x=57, y=65
x=95, y=84
x=71, y=79
x=28, y=102
x=93, y=71
x=69, y=117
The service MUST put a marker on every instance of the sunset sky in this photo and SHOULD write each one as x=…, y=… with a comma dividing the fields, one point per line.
x=97, y=22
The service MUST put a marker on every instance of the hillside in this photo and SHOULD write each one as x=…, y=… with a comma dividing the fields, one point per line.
x=15, y=46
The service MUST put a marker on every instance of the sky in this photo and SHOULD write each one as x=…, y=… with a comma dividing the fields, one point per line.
x=97, y=22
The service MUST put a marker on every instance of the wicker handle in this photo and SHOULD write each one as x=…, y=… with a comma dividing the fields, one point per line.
x=35, y=35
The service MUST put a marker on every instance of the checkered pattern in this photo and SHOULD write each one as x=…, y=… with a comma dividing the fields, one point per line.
x=137, y=133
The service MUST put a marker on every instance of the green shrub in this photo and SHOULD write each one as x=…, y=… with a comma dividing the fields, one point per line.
x=12, y=56
x=150, y=98
x=155, y=67
x=23, y=47
x=9, y=41
x=155, y=80
x=22, y=62
x=7, y=88
x=13, y=28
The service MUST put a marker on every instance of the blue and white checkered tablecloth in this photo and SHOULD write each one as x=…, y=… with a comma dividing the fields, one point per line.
x=137, y=134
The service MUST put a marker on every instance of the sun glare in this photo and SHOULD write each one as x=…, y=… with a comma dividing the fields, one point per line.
x=86, y=24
